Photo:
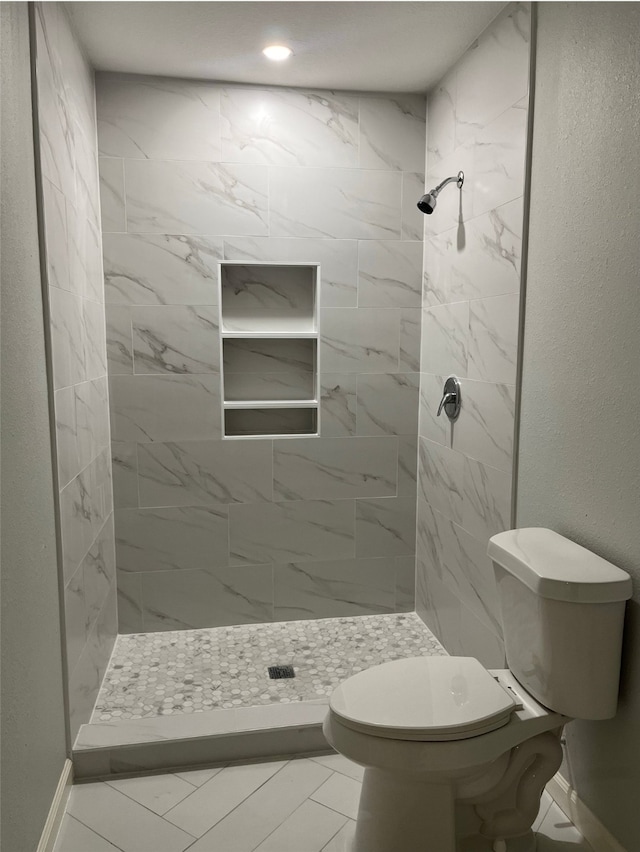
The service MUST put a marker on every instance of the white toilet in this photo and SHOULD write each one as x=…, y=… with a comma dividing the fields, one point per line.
x=456, y=757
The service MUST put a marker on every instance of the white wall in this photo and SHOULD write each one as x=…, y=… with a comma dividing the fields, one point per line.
x=579, y=464
x=33, y=723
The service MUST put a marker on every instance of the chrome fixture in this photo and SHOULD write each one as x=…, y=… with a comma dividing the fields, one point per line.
x=427, y=203
x=451, y=399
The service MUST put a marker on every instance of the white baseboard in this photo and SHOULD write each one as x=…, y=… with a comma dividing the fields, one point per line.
x=584, y=820
x=56, y=811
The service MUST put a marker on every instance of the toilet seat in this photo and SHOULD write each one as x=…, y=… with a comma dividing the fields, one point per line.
x=425, y=699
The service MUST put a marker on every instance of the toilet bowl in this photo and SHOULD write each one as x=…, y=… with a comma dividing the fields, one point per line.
x=456, y=756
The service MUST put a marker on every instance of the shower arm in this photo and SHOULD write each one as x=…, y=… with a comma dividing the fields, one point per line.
x=459, y=179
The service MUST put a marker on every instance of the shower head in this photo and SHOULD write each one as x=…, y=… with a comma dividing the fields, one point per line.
x=427, y=203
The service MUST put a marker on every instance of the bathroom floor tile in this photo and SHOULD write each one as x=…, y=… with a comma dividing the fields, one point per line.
x=339, y=793
x=307, y=830
x=338, y=763
x=159, y=793
x=190, y=671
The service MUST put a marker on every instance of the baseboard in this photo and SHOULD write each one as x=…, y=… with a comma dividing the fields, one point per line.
x=584, y=820
x=56, y=811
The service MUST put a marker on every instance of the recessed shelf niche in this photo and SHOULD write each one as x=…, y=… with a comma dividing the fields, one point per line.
x=269, y=339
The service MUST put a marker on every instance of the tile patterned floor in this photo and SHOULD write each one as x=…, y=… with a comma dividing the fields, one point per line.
x=187, y=671
x=303, y=805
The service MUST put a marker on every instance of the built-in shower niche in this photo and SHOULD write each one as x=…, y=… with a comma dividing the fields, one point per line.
x=269, y=338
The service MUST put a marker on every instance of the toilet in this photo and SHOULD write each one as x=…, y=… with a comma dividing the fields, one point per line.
x=456, y=756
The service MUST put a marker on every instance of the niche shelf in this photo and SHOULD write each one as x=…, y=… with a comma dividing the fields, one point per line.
x=269, y=349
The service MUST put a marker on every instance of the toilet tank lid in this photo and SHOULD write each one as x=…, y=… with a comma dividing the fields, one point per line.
x=555, y=567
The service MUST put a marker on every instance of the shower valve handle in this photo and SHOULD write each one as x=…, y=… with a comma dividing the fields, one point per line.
x=450, y=399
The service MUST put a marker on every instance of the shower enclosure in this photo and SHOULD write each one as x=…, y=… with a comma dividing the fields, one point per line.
x=241, y=455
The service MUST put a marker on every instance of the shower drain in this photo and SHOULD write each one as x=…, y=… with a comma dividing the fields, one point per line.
x=278, y=672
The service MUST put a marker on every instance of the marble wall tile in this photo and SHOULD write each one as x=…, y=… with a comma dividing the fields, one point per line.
x=410, y=340
x=165, y=408
x=335, y=203
x=441, y=610
x=455, y=206
x=124, y=461
x=170, y=197
x=55, y=215
x=338, y=261
x=338, y=404
x=494, y=72
x=191, y=537
x=493, y=338
x=405, y=583
x=289, y=127
x=92, y=419
x=407, y=465
x=87, y=191
x=175, y=339
x=99, y=572
x=390, y=274
x=445, y=338
x=499, y=161
x=67, y=338
x=288, y=384
x=300, y=531
x=112, y=201
x=255, y=297
x=132, y=118
x=387, y=404
x=488, y=263
x=362, y=340
x=437, y=266
x=119, y=340
x=413, y=221
x=486, y=507
x=392, y=133
x=178, y=600
x=84, y=506
x=161, y=269
x=95, y=339
x=66, y=435
x=441, y=481
x=479, y=641
x=74, y=612
x=334, y=468
x=441, y=120
x=484, y=430
x=386, y=526
x=429, y=424
x=129, y=603
x=206, y=473
x=332, y=589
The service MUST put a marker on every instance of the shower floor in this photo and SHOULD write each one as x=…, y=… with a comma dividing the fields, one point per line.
x=192, y=671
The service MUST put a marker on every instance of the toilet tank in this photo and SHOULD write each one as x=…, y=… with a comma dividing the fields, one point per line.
x=562, y=612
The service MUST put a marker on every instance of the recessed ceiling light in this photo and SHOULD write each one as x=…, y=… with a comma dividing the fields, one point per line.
x=277, y=52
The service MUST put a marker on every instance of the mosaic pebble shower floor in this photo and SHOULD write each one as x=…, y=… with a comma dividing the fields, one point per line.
x=189, y=671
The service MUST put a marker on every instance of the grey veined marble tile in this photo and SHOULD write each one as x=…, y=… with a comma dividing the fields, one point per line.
x=487, y=500
x=56, y=236
x=157, y=118
x=196, y=473
x=172, y=539
x=499, y=160
x=67, y=338
x=441, y=118
x=333, y=468
x=386, y=526
x=338, y=261
x=165, y=408
x=337, y=203
x=112, y=202
x=124, y=462
x=334, y=588
x=390, y=274
x=338, y=404
x=289, y=127
x=360, y=340
x=119, y=340
x=440, y=479
x=283, y=532
x=175, y=339
x=413, y=220
x=196, y=198
x=445, y=333
x=393, y=132
x=410, y=339
x=493, y=338
x=484, y=430
x=387, y=404
x=161, y=269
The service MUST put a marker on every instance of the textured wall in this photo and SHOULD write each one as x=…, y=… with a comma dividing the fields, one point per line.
x=579, y=461
x=212, y=533
x=33, y=722
x=477, y=118
x=66, y=113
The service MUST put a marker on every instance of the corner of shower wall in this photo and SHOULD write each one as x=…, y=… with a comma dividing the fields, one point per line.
x=477, y=121
x=72, y=260
x=212, y=531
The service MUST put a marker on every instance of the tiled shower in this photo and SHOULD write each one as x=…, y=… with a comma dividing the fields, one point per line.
x=205, y=532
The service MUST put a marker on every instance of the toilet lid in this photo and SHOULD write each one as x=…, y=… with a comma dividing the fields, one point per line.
x=423, y=698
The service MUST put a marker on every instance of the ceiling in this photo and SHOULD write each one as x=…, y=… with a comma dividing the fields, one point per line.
x=361, y=46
